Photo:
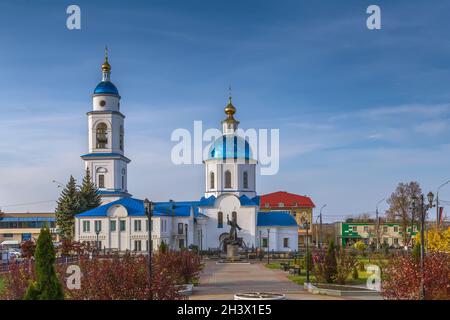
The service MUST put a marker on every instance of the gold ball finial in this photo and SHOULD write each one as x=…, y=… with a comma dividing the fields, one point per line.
x=230, y=110
x=106, y=67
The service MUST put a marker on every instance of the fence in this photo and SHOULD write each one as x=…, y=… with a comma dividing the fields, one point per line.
x=5, y=266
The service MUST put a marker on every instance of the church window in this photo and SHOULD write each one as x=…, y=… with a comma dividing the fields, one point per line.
x=112, y=225
x=98, y=225
x=86, y=226
x=137, y=225
x=123, y=182
x=211, y=180
x=245, y=180
x=137, y=245
x=220, y=219
x=234, y=216
x=227, y=179
x=102, y=135
x=264, y=242
x=122, y=225
x=102, y=103
x=180, y=228
x=121, y=138
x=101, y=180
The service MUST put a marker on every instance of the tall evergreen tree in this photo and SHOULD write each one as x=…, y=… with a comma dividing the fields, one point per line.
x=68, y=206
x=89, y=193
x=47, y=285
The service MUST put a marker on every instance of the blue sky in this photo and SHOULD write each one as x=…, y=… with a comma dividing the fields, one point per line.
x=358, y=110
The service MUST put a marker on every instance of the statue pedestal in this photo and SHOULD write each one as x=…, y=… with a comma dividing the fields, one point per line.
x=233, y=252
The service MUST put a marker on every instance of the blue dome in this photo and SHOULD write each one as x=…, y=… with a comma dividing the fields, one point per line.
x=230, y=147
x=106, y=87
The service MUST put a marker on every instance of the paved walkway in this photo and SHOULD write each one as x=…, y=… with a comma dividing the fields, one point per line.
x=222, y=281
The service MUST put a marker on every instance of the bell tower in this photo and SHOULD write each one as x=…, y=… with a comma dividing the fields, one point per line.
x=106, y=158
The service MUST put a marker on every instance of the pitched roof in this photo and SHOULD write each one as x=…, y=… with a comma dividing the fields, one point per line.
x=135, y=207
x=288, y=199
x=276, y=218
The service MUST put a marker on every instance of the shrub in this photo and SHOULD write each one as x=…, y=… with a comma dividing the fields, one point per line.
x=355, y=274
x=47, y=285
x=361, y=266
x=330, y=268
x=402, y=277
x=345, y=264
x=360, y=246
x=123, y=278
x=308, y=261
x=28, y=248
x=17, y=280
x=185, y=266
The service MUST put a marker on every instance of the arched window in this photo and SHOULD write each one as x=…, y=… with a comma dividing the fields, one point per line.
x=102, y=135
x=245, y=180
x=211, y=180
x=234, y=216
x=101, y=180
x=227, y=179
x=219, y=219
x=121, y=138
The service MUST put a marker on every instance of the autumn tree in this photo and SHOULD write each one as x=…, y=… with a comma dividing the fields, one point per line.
x=400, y=206
x=436, y=240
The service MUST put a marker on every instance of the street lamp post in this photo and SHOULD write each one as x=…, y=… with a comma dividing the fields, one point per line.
x=320, y=226
x=378, y=225
x=419, y=203
x=97, y=232
x=149, y=206
x=186, y=234
x=268, y=245
x=437, y=204
x=306, y=224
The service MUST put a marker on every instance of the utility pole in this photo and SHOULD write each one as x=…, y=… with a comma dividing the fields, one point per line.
x=423, y=208
x=377, y=227
x=320, y=225
x=268, y=245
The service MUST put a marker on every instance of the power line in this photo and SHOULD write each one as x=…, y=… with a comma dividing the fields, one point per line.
x=26, y=204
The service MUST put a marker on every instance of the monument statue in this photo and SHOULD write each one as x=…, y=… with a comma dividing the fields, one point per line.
x=234, y=227
x=232, y=243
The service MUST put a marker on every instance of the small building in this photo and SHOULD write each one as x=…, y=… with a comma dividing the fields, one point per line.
x=347, y=233
x=300, y=207
x=24, y=226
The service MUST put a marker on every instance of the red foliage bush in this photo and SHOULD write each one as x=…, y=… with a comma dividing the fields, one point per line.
x=122, y=278
x=401, y=278
x=183, y=265
x=28, y=247
x=114, y=277
x=17, y=280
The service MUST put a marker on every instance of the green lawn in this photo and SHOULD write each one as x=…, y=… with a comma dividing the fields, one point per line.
x=1, y=284
x=300, y=279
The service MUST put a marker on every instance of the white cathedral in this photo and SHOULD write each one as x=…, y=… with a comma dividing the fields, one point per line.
x=121, y=224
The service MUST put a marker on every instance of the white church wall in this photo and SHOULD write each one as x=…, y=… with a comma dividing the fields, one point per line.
x=246, y=219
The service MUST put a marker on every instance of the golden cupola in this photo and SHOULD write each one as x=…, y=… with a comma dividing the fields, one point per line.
x=230, y=124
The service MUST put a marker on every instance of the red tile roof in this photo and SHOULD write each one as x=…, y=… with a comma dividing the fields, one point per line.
x=288, y=199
